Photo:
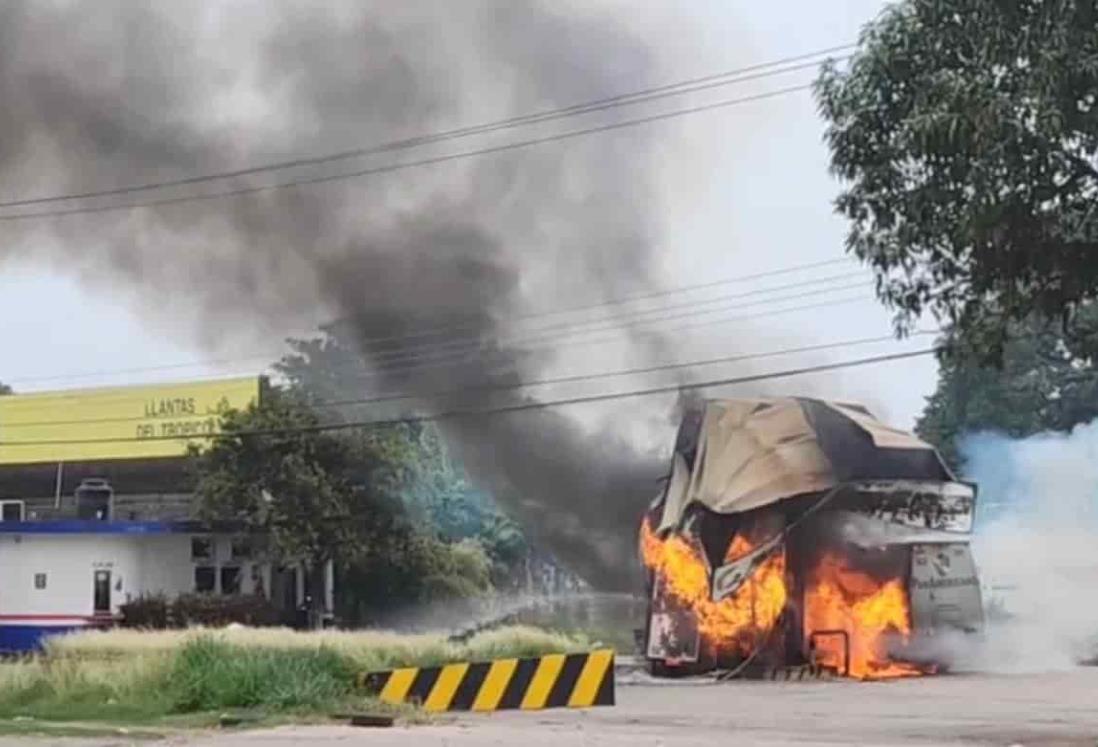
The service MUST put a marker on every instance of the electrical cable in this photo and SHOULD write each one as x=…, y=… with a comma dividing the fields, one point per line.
x=489, y=389
x=368, y=375
x=389, y=363
x=433, y=330
x=402, y=165
x=634, y=97
x=507, y=409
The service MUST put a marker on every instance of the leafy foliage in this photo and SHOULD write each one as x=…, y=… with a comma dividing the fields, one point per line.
x=418, y=569
x=5, y=389
x=966, y=132
x=274, y=472
x=149, y=611
x=323, y=496
x=157, y=612
x=311, y=493
x=434, y=489
x=1046, y=382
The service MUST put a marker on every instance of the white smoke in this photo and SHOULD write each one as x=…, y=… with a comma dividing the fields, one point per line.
x=1036, y=545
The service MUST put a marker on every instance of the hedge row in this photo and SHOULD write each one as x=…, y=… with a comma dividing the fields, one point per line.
x=158, y=612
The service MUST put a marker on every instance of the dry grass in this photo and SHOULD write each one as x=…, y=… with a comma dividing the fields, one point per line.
x=133, y=676
x=369, y=649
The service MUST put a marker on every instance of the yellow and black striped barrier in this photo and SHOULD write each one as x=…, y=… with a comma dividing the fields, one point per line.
x=551, y=681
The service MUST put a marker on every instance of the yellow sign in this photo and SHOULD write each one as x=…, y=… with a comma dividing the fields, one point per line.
x=142, y=422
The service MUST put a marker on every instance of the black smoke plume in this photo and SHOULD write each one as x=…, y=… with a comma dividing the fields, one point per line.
x=113, y=93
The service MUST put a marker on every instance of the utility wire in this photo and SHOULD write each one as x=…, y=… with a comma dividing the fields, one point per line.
x=492, y=389
x=448, y=329
x=441, y=329
x=693, y=85
x=637, y=316
x=450, y=349
x=400, y=166
x=466, y=350
x=520, y=407
x=371, y=375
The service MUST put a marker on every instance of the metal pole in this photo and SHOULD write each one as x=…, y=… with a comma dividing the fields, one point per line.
x=57, y=489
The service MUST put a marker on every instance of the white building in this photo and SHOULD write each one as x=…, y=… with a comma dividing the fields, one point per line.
x=67, y=574
x=92, y=517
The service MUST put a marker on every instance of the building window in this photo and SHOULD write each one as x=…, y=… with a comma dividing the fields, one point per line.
x=242, y=548
x=230, y=580
x=40, y=580
x=205, y=578
x=201, y=548
x=11, y=510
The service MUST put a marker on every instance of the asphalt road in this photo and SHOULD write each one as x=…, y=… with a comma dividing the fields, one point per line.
x=1034, y=710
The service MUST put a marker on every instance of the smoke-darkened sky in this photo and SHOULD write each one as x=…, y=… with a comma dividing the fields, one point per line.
x=130, y=92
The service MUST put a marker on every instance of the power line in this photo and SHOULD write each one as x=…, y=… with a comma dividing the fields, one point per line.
x=693, y=85
x=490, y=389
x=633, y=316
x=460, y=347
x=521, y=407
x=388, y=363
x=450, y=328
x=400, y=166
x=626, y=372
x=416, y=368
x=441, y=328
x=370, y=375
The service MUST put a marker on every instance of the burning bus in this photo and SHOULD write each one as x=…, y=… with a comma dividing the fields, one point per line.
x=796, y=531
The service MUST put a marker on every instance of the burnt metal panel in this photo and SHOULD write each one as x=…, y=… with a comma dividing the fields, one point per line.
x=854, y=456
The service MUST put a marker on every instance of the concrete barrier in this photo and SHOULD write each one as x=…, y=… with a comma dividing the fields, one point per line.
x=551, y=681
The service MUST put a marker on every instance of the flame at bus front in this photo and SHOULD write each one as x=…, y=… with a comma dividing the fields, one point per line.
x=738, y=622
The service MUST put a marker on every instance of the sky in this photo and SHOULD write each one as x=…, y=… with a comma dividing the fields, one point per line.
x=743, y=190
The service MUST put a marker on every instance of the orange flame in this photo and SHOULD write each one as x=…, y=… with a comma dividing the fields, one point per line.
x=738, y=622
x=872, y=613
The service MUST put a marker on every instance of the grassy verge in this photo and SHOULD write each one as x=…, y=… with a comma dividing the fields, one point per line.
x=187, y=679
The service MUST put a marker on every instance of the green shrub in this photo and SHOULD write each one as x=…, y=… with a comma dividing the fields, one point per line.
x=209, y=610
x=148, y=611
x=156, y=612
x=207, y=674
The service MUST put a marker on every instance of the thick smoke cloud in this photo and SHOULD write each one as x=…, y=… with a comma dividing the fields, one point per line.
x=114, y=93
x=1034, y=544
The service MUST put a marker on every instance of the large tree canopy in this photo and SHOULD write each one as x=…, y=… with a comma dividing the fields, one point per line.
x=435, y=490
x=1046, y=382
x=965, y=132
x=318, y=496
x=272, y=470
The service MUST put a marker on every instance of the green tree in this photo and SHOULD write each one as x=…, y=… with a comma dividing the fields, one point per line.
x=413, y=568
x=4, y=389
x=315, y=496
x=1045, y=382
x=965, y=132
x=435, y=490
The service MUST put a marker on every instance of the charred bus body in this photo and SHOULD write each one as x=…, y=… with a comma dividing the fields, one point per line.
x=797, y=531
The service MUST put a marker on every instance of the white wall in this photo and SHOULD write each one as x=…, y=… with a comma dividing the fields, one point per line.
x=139, y=564
x=165, y=564
x=69, y=562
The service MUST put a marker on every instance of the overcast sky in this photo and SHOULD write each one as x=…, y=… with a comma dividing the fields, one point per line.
x=745, y=190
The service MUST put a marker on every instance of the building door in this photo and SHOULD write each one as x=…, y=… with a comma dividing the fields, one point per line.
x=102, y=592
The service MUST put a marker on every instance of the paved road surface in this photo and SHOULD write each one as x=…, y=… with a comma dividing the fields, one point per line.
x=1033, y=710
